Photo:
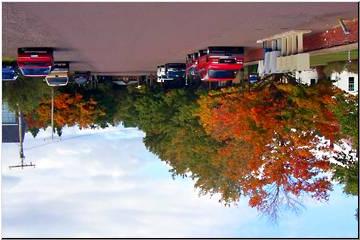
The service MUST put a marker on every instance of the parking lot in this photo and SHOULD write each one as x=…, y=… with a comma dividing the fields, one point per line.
x=131, y=37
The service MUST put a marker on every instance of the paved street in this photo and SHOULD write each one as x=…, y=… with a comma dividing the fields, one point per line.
x=126, y=37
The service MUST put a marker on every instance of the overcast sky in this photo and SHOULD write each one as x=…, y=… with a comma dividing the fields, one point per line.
x=104, y=183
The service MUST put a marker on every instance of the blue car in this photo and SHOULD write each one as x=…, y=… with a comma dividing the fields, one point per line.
x=175, y=71
x=253, y=77
x=9, y=73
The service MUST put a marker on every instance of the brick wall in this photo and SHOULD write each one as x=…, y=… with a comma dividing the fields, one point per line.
x=332, y=37
x=253, y=54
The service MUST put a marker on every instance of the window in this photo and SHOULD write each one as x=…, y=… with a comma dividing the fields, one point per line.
x=285, y=47
x=351, y=84
x=222, y=83
x=278, y=44
x=273, y=45
x=36, y=71
x=8, y=117
x=312, y=81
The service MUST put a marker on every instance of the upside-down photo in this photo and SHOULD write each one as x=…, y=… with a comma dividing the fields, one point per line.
x=180, y=119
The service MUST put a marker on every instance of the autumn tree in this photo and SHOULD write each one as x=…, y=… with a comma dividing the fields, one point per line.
x=280, y=126
x=69, y=109
x=259, y=144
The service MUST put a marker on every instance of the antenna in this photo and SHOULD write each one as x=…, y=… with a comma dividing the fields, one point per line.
x=343, y=26
x=349, y=56
x=21, y=150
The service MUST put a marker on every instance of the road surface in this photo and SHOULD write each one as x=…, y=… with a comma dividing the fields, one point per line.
x=117, y=37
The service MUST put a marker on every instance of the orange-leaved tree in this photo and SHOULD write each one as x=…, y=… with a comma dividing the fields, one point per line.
x=271, y=137
x=69, y=109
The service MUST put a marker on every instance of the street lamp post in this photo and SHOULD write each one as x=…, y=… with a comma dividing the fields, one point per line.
x=52, y=113
x=21, y=150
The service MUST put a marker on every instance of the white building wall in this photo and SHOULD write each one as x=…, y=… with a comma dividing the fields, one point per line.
x=342, y=81
x=304, y=77
x=273, y=65
x=298, y=62
x=261, y=68
x=267, y=62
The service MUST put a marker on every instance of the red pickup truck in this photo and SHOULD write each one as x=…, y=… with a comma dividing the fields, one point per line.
x=216, y=64
x=35, y=62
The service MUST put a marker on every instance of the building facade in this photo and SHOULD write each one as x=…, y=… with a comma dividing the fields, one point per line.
x=346, y=81
x=13, y=125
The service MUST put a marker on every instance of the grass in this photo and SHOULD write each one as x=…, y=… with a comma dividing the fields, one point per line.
x=324, y=59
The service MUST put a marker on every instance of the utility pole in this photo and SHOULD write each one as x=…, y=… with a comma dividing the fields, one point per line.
x=52, y=113
x=349, y=56
x=21, y=149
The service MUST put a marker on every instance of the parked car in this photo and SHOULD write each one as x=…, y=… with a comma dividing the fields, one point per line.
x=35, y=62
x=59, y=75
x=191, y=73
x=218, y=63
x=82, y=77
x=9, y=73
x=171, y=72
x=253, y=77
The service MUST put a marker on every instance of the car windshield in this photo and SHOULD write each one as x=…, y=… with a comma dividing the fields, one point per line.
x=176, y=73
x=176, y=69
x=36, y=71
x=222, y=74
x=57, y=81
x=176, y=65
x=56, y=69
x=81, y=79
x=35, y=64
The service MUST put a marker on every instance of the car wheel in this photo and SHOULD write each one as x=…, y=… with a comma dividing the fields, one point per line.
x=49, y=50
